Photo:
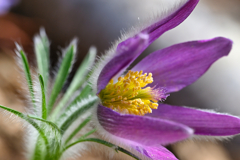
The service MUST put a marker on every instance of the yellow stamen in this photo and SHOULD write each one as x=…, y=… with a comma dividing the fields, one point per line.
x=128, y=95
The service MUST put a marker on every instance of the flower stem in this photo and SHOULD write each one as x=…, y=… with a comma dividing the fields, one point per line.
x=108, y=144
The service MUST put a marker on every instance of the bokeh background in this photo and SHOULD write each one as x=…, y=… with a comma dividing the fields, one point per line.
x=98, y=23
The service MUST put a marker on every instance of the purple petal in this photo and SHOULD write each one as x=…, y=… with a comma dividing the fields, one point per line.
x=155, y=153
x=203, y=122
x=180, y=65
x=5, y=5
x=127, y=51
x=158, y=28
x=142, y=129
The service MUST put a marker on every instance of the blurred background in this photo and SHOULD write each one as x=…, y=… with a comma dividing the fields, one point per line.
x=98, y=23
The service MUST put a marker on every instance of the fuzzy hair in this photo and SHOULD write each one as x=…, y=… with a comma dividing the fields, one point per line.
x=61, y=56
x=31, y=135
x=35, y=85
x=114, y=139
x=80, y=148
x=102, y=61
x=109, y=54
x=166, y=9
x=125, y=143
x=212, y=138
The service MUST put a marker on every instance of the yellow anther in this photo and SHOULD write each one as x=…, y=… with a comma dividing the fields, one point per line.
x=133, y=77
x=154, y=104
x=126, y=85
x=120, y=79
x=128, y=94
x=111, y=81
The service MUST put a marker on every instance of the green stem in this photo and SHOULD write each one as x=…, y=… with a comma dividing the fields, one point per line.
x=46, y=121
x=108, y=144
x=84, y=92
x=78, y=129
x=71, y=118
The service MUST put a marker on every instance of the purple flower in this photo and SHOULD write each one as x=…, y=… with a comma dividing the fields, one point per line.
x=129, y=112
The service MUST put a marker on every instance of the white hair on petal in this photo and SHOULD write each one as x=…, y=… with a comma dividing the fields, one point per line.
x=81, y=149
x=126, y=144
x=123, y=142
x=210, y=138
x=167, y=8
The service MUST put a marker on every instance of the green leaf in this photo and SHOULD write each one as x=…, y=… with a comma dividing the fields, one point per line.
x=86, y=91
x=62, y=74
x=83, y=94
x=30, y=121
x=75, y=112
x=44, y=107
x=28, y=76
x=53, y=125
x=38, y=151
x=87, y=134
x=79, y=78
x=78, y=129
x=108, y=144
x=41, y=47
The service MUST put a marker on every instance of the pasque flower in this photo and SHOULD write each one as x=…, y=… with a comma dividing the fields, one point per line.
x=129, y=112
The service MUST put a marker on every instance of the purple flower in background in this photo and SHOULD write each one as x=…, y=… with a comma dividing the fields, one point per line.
x=5, y=5
x=129, y=112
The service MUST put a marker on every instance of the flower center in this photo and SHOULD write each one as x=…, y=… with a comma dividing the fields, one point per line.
x=129, y=94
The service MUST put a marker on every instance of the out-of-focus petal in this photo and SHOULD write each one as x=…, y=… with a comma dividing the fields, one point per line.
x=5, y=5
x=203, y=122
x=155, y=153
x=180, y=65
x=142, y=129
x=171, y=21
x=127, y=52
